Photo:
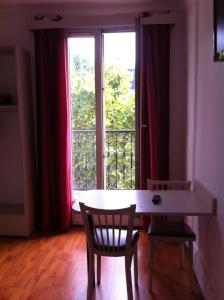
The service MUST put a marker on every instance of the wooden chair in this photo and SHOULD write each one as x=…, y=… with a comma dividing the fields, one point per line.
x=110, y=233
x=170, y=228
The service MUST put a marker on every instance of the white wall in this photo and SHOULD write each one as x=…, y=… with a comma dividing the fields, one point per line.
x=14, y=32
x=178, y=99
x=206, y=143
x=14, y=24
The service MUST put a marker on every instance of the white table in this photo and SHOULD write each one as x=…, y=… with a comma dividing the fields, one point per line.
x=177, y=203
x=182, y=203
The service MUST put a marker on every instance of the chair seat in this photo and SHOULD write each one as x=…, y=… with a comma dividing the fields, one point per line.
x=170, y=229
x=111, y=242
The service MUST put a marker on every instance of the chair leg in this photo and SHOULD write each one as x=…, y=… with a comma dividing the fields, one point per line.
x=191, y=263
x=128, y=276
x=87, y=256
x=90, y=276
x=98, y=268
x=151, y=256
x=181, y=248
x=136, y=264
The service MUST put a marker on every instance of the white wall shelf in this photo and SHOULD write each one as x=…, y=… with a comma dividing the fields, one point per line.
x=17, y=143
x=8, y=108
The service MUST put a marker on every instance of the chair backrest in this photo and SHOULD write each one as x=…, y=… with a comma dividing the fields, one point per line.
x=158, y=185
x=105, y=228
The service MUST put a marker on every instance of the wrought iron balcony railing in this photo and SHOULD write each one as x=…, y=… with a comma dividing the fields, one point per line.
x=120, y=159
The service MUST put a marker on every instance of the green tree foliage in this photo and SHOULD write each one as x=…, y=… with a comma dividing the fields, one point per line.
x=119, y=99
x=82, y=94
x=120, y=115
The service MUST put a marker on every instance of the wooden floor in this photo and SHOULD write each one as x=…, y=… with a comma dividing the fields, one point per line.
x=53, y=267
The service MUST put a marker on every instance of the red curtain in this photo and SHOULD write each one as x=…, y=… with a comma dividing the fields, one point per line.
x=154, y=103
x=53, y=125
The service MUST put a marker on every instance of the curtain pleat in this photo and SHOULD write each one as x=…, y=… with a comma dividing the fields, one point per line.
x=154, y=103
x=53, y=205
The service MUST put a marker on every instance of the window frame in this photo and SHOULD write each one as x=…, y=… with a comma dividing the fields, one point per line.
x=97, y=33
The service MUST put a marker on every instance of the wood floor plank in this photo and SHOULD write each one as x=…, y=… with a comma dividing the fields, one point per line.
x=54, y=267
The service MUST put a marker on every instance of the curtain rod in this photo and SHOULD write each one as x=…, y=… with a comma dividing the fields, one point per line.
x=79, y=21
x=43, y=21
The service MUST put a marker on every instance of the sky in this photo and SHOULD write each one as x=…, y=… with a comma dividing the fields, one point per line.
x=118, y=47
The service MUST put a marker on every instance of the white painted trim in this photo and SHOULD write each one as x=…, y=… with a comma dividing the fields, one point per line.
x=160, y=18
x=101, y=21
x=195, y=96
x=99, y=112
x=9, y=108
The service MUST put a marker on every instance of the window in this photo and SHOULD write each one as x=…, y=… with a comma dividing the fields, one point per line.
x=102, y=93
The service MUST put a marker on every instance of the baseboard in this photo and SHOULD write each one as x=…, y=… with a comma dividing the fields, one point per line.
x=76, y=218
x=208, y=287
x=199, y=290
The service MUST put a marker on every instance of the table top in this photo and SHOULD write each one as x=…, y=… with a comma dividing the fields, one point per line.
x=183, y=203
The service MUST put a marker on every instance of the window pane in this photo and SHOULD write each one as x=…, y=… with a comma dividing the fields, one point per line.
x=82, y=95
x=119, y=98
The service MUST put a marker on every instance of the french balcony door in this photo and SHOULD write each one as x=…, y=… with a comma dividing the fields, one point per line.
x=101, y=77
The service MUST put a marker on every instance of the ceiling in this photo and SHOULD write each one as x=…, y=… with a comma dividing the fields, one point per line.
x=27, y=2
x=87, y=5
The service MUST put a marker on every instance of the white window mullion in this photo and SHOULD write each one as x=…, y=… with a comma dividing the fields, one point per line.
x=99, y=112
